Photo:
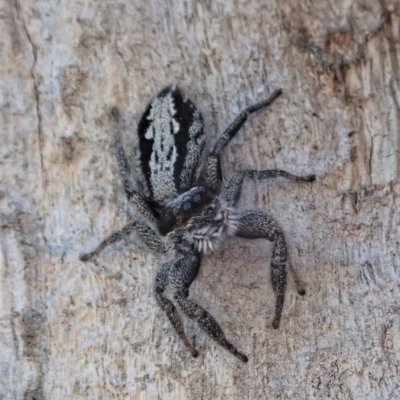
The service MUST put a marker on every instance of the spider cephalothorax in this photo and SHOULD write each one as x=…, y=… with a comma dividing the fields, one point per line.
x=180, y=195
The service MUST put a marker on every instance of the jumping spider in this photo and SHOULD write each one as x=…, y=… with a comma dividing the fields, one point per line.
x=178, y=191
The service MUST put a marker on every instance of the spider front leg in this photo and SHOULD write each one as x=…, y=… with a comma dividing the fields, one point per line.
x=234, y=187
x=213, y=168
x=258, y=224
x=144, y=232
x=180, y=274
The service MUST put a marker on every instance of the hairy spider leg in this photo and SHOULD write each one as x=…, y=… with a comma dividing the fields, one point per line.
x=180, y=273
x=234, y=187
x=259, y=224
x=213, y=162
x=144, y=232
x=233, y=190
x=161, y=282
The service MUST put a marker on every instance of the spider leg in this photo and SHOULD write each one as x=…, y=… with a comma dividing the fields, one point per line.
x=213, y=169
x=239, y=121
x=166, y=305
x=144, y=232
x=258, y=224
x=181, y=273
x=234, y=187
x=129, y=186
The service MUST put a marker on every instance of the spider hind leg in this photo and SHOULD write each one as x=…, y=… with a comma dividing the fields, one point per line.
x=180, y=273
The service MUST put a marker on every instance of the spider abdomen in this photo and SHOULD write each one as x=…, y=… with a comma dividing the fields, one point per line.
x=171, y=145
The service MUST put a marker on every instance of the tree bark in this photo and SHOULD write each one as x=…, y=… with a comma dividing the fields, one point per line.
x=74, y=330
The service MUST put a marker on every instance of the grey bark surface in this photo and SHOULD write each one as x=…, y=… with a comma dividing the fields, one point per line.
x=73, y=330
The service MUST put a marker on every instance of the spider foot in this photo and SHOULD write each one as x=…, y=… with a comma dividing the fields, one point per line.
x=194, y=353
x=231, y=348
x=276, y=322
x=186, y=341
x=310, y=178
x=86, y=257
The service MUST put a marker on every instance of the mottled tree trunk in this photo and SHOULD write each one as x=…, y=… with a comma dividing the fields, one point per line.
x=73, y=330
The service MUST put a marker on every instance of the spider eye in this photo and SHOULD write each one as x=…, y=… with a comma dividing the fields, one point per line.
x=197, y=197
x=187, y=206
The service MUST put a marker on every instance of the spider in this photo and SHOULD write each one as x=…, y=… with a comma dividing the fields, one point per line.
x=185, y=208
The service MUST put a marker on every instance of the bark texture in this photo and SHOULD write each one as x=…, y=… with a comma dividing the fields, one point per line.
x=71, y=330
